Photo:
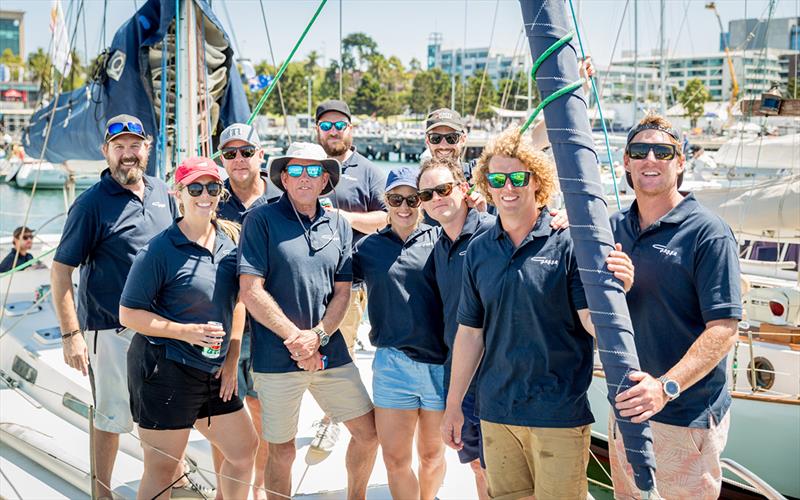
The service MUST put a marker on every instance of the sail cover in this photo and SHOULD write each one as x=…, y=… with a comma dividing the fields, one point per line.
x=546, y=21
x=132, y=86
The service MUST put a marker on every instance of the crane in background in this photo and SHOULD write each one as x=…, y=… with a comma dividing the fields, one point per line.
x=734, y=83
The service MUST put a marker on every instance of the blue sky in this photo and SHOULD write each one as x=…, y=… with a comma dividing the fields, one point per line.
x=402, y=27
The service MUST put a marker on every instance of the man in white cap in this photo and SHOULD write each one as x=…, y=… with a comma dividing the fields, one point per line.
x=295, y=275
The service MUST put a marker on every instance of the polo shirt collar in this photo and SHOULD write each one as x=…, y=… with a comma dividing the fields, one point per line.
x=288, y=211
x=179, y=239
x=227, y=183
x=470, y=223
x=540, y=229
x=352, y=160
x=677, y=215
x=420, y=230
x=113, y=187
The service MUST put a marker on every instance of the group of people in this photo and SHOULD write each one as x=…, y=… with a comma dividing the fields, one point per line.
x=199, y=300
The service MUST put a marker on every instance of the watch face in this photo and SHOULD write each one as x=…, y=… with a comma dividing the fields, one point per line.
x=323, y=340
x=672, y=388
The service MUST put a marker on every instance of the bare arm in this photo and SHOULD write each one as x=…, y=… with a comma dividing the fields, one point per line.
x=229, y=372
x=647, y=397
x=153, y=325
x=337, y=307
x=467, y=352
x=366, y=222
x=586, y=321
x=263, y=307
x=76, y=354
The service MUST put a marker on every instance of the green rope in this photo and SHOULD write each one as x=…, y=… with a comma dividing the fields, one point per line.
x=552, y=97
x=285, y=64
x=28, y=264
x=556, y=45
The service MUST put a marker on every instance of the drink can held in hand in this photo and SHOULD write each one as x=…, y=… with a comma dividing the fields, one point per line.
x=323, y=362
x=213, y=352
x=326, y=202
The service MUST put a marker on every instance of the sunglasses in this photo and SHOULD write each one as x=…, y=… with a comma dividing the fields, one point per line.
x=640, y=150
x=313, y=171
x=498, y=180
x=118, y=128
x=395, y=200
x=245, y=151
x=326, y=126
x=451, y=138
x=27, y=237
x=441, y=190
x=195, y=189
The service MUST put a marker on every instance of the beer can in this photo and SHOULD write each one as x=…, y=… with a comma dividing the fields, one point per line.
x=326, y=202
x=323, y=362
x=213, y=351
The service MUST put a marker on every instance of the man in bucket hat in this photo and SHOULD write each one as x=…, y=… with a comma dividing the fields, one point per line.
x=295, y=275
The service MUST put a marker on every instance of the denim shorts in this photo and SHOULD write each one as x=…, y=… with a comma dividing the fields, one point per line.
x=400, y=383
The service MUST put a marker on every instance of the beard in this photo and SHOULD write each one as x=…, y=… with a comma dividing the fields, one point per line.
x=451, y=154
x=338, y=147
x=127, y=174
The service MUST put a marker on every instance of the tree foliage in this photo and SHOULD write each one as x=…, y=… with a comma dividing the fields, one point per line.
x=693, y=99
x=792, y=90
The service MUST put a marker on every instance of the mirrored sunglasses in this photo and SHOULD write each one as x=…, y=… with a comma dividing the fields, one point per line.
x=640, y=150
x=313, y=171
x=518, y=179
x=245, y=151
x=326, y=126
x=120, y=127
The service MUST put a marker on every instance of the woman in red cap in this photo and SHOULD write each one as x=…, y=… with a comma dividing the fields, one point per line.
x=182, y=297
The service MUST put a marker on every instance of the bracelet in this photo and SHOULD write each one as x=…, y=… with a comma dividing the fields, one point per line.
x=70, y=334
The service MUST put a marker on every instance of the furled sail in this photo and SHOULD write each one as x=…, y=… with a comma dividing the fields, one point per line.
x=130, y=82
x=546, y=22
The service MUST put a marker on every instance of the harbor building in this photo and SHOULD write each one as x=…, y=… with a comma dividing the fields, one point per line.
x=468, y=61
x=12, y=32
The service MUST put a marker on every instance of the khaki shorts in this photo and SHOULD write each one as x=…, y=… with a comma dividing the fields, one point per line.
x=687, y=458
x=108, y=363
x=338, y=391
x=352, y=318
x=547, y=462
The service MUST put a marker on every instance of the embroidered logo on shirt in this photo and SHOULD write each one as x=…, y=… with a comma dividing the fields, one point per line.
x=349, y=177
x=545, y=261
x=462, y=253
x=665, y=250
x=159, y=204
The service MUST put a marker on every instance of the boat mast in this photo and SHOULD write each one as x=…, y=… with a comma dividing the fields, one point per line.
x=663, y=66
x=186, y=125
x=635, y=61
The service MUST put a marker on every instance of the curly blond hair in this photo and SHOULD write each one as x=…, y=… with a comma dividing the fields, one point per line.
x=510, y=143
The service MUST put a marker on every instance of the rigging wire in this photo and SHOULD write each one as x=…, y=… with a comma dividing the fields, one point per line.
x=275, y=65
x=486, y=66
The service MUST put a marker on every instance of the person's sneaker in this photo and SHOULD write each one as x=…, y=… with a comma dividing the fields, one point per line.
x=323, y=443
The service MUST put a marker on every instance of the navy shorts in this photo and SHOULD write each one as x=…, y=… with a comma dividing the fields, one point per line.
x=245, y=382
x=167, y=395
x=471, y=433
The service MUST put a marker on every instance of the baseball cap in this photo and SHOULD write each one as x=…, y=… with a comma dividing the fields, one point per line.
x=239, y=132
x=444, y=117
x=124, y=124
x=195, y=167
x=333, y=105
x=402, y=176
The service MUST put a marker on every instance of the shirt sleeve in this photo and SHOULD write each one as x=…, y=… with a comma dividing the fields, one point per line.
x=344, y=270
x=717, y=279
x=254, y=246
x=470, y=307
x=146, y=278
x=81, y=233
x=173, y=207
x=377, y=186
x=358, y=271
x=5, y=265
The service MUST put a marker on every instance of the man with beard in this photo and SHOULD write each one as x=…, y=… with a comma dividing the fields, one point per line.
x=359, y=199
x=105, y=228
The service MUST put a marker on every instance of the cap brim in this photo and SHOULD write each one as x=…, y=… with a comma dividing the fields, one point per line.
x=399, y=183
x=196, y=175
x=276, y=166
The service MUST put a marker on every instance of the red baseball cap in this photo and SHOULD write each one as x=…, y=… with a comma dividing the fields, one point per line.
x=195, y=167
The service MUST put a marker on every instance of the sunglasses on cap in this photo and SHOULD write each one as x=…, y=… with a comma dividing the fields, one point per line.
x=245, y=151
x=313, y=171
x=326, y=126
x=395, y=200
x=195, y=189
x=451, y=138
x=120, y=127
x=640, y=150
x=498, y=180
x=442, y=190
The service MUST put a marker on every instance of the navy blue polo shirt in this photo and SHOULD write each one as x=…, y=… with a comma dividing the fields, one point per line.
x=299, y=264
x=233, y=209
x=698, y=252
x=449, y=257
x=8, y=262
x=106, y=225
x=183, y=282
x=360, y=188
x=405, y=309
x=538, y=356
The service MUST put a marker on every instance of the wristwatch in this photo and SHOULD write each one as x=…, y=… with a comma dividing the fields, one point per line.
x=324, y=338
x=671, y=388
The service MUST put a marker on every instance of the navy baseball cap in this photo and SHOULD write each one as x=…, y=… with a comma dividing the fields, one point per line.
x=402, y=176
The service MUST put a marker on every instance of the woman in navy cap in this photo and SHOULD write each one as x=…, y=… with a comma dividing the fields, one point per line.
x=182, y=297
x=407, y=326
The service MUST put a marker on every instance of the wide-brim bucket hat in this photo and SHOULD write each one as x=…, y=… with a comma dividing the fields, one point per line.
x=305, y=151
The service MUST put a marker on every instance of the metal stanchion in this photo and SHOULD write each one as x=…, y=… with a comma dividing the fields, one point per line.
x=92, y=473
